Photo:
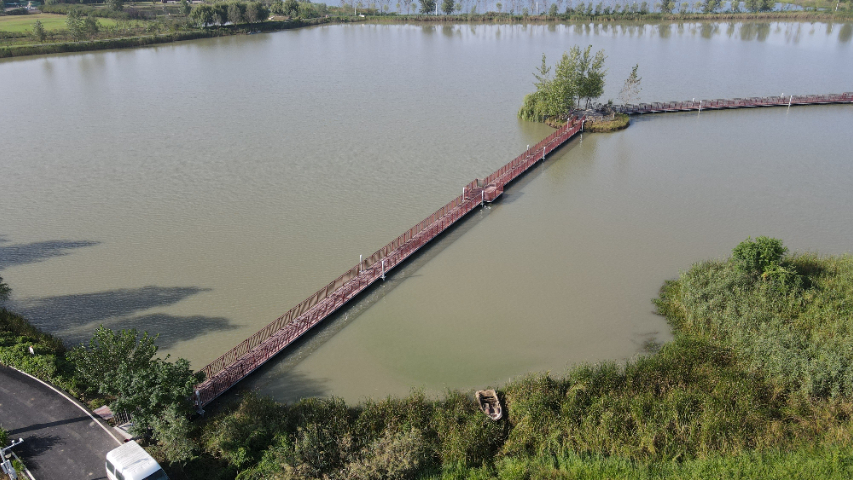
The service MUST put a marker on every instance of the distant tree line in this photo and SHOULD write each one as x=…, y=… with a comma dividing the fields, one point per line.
x=234, y=12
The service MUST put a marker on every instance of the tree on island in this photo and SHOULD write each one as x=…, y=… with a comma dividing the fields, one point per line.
x=578, y=80
x=448, y=6
x=630, y=92
x=427, y=6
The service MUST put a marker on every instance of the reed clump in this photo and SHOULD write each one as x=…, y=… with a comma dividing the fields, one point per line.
x=620, y=121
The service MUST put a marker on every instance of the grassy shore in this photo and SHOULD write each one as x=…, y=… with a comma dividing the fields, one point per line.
x=27, y=49
x=619, y=122
x=758, y=383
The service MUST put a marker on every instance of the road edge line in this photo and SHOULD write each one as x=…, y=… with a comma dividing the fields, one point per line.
x=76, y=404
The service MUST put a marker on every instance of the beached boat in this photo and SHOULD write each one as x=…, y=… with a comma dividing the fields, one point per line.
x=489, y=403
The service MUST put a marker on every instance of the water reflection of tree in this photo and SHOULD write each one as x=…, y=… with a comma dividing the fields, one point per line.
x=708, y=29
x=845, y=33
x=754, y=31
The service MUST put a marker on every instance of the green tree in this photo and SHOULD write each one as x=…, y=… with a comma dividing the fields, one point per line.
x=91, y=26
x=306, y=10
x=149, y=393
x=578, y=76
x=74, y=23
x=5, y=291
x=710, y=6
x=123, y=365
x=630, y=92
x=202, y=15
x=427, y=6
x=115, y=5
x=220, y=13
x=666, y=6
x=256, y=12
x=758, y=256
x=237, y=12
x=753, y=5
x=447, y=7
x=291, y=8
x=766, y=5
x=110, y=356
x=499, y=6
x=172, y=430
x=186, y=8
x=590, y=75
x=38, y=31
x=552, y=11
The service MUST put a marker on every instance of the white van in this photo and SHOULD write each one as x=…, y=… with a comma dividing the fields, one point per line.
x=132, y=462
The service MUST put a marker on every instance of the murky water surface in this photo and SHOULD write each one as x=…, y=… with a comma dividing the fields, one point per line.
x=199, y=190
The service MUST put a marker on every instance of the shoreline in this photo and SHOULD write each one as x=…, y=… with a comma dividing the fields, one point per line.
x=17, y=51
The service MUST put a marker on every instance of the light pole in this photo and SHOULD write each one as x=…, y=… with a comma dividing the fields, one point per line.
x=6, y=465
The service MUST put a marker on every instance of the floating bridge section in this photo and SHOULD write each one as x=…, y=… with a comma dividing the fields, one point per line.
x=224, y=372
x=754, y=102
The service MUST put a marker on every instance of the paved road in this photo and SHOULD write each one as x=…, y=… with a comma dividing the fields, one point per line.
x=60, y=440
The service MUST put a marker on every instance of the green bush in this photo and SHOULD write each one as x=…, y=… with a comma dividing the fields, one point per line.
x=758, y=256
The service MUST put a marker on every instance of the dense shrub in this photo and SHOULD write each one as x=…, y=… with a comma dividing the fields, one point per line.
x=47, y=361
x=756, y=257
x=800, y=334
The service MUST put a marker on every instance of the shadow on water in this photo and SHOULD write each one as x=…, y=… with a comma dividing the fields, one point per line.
x=21, y=254
x=297, y=386
x=74, y=317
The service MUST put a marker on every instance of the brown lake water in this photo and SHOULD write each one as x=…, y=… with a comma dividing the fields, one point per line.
x=199, y=190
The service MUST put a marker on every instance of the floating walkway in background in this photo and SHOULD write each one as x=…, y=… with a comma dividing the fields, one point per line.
x=227, y=370
x=754, y=102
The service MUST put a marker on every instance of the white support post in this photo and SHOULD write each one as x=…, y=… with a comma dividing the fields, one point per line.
x=543, y=153
x=700, y=106
x=463, y=194
x=383, y=269
x=359, y=264
x=789, y=101
x=482, y=197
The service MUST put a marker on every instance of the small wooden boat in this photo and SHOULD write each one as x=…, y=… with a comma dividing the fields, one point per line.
x=489, y=403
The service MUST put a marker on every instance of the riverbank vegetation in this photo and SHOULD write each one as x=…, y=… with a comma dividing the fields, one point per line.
x=758, y=383
x=619, y=121
x=122, y=24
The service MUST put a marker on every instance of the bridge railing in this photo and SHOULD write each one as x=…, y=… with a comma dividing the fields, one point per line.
x=469, y=201
x=735, y=103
